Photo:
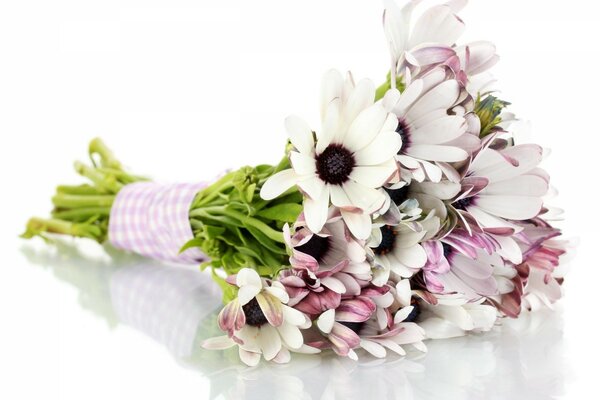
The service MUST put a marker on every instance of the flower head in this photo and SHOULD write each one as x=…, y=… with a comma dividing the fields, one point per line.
x=352, y=157
x=259, y=322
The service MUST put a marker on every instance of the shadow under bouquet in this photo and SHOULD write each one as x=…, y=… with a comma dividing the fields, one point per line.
x=412, y=212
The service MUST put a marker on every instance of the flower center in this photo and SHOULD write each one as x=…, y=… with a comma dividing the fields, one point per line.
x=317, y=247
x=403, y=130
x=398, y=196
x=335, y=164
x=388, y=239
x=462, y=204
x=354, y=326
x=254, y=315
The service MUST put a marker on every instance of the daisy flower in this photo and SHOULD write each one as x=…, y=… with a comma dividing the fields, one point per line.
x=396, y=248
x=375, y=340
x=501, y=186
x=431, y=135
x=259, y=322
x=461, y=263
x=437, y=25
x=352, y=157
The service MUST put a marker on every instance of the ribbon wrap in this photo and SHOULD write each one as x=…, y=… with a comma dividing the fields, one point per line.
x=152, y=220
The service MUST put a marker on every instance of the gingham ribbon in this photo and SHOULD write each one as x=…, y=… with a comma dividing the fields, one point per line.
x=152, y=219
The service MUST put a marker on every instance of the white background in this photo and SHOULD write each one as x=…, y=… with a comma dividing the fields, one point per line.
x=183, y=89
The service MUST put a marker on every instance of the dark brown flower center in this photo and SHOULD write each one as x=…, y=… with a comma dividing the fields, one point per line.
x=335, y=164
x=388, y=239
x=403, y=130
x=254, y=315
x=317, y=247
x=462, y=204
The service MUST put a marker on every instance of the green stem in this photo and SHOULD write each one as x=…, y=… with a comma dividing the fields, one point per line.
x=102, y=181
x=61, y=200
x=37, y=226
x=81, y=214
x=107, y=158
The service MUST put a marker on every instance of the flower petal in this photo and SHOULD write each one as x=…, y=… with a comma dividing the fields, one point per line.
x=278, y=184
x=271, y=308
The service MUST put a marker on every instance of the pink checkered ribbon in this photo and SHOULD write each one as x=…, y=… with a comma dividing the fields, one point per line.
x=152, y=219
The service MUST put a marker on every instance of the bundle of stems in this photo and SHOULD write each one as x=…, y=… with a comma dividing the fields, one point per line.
x=230, y=221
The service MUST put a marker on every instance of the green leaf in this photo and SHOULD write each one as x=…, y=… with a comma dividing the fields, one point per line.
x=287, y=212
x=265, y=241
x=195, y=242
x=213, y=232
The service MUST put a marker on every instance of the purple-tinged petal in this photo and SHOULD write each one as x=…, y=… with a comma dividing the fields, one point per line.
x=316, y=303
x=359, y=309
x=232, y=317
x=271, y=308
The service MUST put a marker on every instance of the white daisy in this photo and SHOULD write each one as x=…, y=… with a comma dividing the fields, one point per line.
x=432, y=134
x=259, y=321
x=352, y=157
x=396, y=249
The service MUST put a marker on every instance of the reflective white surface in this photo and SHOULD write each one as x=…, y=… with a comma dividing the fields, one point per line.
x=162, y=81
x=176, y=308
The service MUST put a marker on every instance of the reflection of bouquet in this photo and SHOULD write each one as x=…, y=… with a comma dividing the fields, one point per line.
x=412, y=213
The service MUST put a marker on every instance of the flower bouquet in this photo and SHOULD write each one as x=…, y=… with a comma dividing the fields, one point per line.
x=413, y=212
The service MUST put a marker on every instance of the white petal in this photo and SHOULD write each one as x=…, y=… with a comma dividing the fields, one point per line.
x=315, y=211
x=249, y=358
x=402, y=314
x=437, y=153
x=247, y=293
x=365, y=128
x=524, y=185
x=359, y=100
x=248, y=277
x=293, y=316
x=218, y=343
x=300, y=134
x=331, y=87
x=384, y=147
x=326, y=320
x=313, y=187
x=441, y=97
x=374, y=176
x=440, y=130
x=278, y=184
x=333, y=284
x=303, y=164
x=291, y=335
x=374, y=348
x=510, y=207
x=359, y=224
x=363, y=197
x=413, y=257
x=269, y=341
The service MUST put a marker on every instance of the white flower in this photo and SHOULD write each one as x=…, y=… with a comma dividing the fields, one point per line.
x=437, y=25
x=259, y=321
x=396, y=248
x=352, y=157
x=432, y=135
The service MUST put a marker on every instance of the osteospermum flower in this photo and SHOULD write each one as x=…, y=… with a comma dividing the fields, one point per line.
x=430, y=134
x=352, y=157
x=501, y=186
x=396, y=248
x=259, y=322
x=461, y=263
x=438, y=25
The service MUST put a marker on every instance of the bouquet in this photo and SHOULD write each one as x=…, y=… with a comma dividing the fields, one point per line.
x=413, y=212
